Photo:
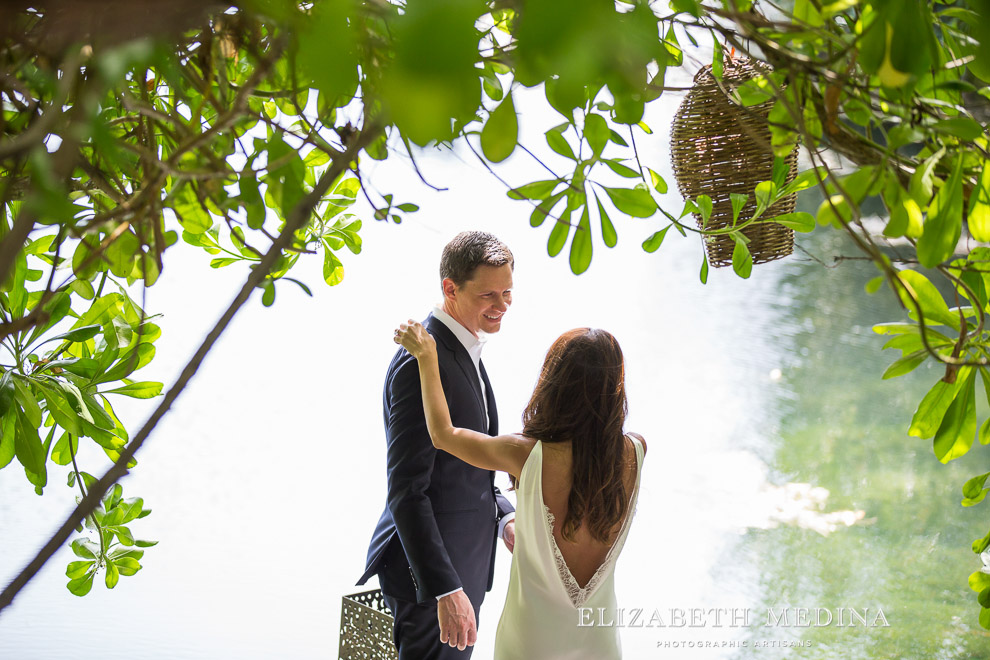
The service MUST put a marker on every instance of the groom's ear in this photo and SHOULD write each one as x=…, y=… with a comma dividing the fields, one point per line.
x=449, y=288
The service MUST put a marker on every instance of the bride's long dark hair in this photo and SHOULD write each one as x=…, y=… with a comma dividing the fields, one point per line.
x=581, y=397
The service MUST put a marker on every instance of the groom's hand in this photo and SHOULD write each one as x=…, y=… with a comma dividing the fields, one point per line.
x=456, y=618
x=509, y=535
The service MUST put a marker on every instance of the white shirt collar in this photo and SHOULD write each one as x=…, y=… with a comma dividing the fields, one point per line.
x=466, y=337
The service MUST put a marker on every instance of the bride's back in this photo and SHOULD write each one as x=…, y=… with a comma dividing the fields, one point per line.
x=583, y=553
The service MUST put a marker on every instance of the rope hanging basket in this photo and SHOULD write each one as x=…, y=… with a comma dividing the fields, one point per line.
x=719, y=148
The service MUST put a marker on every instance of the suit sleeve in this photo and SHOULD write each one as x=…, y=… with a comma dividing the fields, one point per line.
x=504, y=505
x=410, y=455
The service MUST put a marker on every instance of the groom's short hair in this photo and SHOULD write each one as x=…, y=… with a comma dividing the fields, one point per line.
x=470, y=249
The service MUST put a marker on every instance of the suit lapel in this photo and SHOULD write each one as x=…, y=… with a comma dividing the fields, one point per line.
x=461, y=357
x=490, y=397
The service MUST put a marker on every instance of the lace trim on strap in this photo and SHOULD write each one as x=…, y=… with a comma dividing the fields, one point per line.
x=575, y=592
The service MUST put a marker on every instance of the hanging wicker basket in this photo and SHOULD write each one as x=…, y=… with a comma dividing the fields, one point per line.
x=719, y=148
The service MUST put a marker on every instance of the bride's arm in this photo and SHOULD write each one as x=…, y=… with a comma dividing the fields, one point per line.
x=505, y=452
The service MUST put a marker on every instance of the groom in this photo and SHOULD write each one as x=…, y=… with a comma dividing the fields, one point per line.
x=434, y=547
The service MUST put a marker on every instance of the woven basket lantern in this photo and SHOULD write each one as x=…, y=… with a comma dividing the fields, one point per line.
x=720, y=148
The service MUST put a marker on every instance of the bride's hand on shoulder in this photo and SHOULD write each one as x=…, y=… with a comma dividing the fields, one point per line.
x=414, y=338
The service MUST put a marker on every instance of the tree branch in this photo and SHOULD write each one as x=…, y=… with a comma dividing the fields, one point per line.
x=296, y=219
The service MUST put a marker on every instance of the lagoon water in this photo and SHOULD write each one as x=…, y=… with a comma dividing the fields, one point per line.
x=779, y=472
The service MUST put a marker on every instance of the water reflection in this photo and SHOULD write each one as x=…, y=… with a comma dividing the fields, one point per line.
x=843, y=430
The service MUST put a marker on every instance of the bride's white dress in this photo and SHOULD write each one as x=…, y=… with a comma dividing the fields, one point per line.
x=544, y=602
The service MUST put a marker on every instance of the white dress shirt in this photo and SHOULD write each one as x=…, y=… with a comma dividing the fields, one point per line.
x=472, y=344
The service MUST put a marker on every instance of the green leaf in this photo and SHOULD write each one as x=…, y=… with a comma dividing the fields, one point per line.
x=967, y=501
x=955, y=435
x=633, y=201
x=692, y=7
x=704, y=270
x=922, y=182
x=616, y=138
x=558, y=143
x=674, y=54
x=347, y=227
x=738, y=202
x=333, y=269
x=491, y=84
x=25, y=397
x=943, y=227
x=77, y=569
x=596, y=132
x=190, y=213
x=657, y=182
x=764, y=196
x=131, y=553
x=933, y=306
x=8, y=437
x=704, y=205
x=906, y=364
x=141, y=390
x=620, y=169
x=984, y=432
x=978, y=215
x=932, y=409
x=905, y=215
x=652, y=244
x=127, y=565
x=123, y=534
x=798, y=221
x=718, y=57
x=542, y=211
x=608, y=229
x=979, y=545
x=501, y=132
x=964, y=128
x=558, y=235
x=534, y=190
x=83, y=333
x=84, y=548
x=581, y=249
x=972, y=488
x=121, y=254
x=131, y=508
x=131, y=361
x=805, y=12
x=113, y=575
x=64, y=449
x=268, y=297
x=742, y=260
x=755, y=91
x=978, y=581
x=81, y=586
x=316, y=157
x=30, y=451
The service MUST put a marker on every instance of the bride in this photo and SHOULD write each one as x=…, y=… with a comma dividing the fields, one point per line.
x=576, y=476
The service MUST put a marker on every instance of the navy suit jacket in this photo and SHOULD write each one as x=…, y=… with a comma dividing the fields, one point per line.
x=438, y=531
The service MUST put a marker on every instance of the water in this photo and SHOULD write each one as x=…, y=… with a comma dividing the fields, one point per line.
x=267, y=477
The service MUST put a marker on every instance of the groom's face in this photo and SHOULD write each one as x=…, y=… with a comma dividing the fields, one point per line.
x=480, y=302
